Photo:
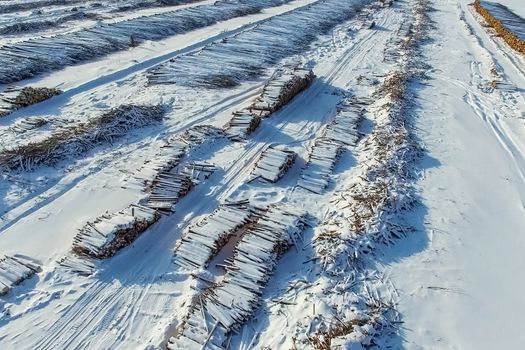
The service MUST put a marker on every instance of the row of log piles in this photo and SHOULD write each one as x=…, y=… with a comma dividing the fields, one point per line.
x=511, y=38
x=202, y=241
x=109, y=233
x=226, y=306
x=273, y=164
x=14, y=270
x=282, y=87
x=15, y=98
x=342, y=131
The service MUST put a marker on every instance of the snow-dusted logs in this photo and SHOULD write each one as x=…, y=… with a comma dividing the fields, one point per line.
x=323, y=156
x=167, y=189
x=242, y=124
x=203, y=240
x=28, y=58
x=344, y=128
x=83, y=266
x=274, y=163
x=14, y=270
x=109, y=233
x=16, y=98
x=79, y=138
x=226, y=306
x=247, y=55
x=280, y=89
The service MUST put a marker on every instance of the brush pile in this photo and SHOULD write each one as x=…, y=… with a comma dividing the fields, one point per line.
x=79, y=138
x=14, y=270
x=225, y=306
x=280, y=89
x=246, y=56
x=13, y=98
x=508, y=25
x=273, y=164
x=203, y=240
x=26, y=59
x=109, y=233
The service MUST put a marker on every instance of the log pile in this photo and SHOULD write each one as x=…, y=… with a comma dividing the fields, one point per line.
x=508, y=25
x=344, y=128
x=14, y=270
x=203, y=240
x=79, y=138
x=15, y=98
x=247, y=55
x=26, y=59
x=280, y=89
x=167, y=189
x=242, y=124
x=323, y=156
x=226, y=306
x=109, y=233
x=273, y=164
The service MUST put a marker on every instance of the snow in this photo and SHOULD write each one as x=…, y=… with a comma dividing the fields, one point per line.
x=350, y=260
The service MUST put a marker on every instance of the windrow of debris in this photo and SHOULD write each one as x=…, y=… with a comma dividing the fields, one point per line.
x=204, y=239
x=26, y=59
x=274, y=163
x=341, y=132
x=78, y=138
x=14, y=270
x=281, y=88
x=15, y=98
x=506, y=23
x=109, y=233
x=225, y=306
x=246, y=56
x=370, y=211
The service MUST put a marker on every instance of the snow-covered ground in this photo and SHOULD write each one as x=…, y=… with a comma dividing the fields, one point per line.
x=406, y=193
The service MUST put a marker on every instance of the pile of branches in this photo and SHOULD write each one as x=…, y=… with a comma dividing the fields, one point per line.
x=508, y=36
x=79, y=138
x=13, y=99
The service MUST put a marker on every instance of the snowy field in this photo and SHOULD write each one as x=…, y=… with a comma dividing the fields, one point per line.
x=261, y=174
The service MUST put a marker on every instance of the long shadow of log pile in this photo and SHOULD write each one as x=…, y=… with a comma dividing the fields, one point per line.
x=15, y=270
x=225, y=306
x=281, y=88
x=341, y=132
x=77, y=139
x=16, y=98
